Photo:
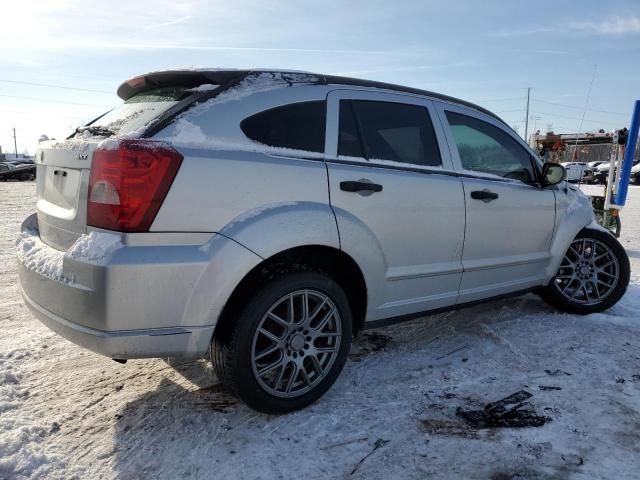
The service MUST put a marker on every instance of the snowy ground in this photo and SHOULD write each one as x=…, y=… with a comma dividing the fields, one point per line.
x=66, y=412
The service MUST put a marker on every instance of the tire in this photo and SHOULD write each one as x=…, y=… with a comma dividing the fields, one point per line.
x=240, y=353
x=593, y=275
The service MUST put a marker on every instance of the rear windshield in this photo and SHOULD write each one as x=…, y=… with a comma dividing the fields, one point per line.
x=140, y=109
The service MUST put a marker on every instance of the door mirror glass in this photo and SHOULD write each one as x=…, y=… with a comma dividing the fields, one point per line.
x=552, y=174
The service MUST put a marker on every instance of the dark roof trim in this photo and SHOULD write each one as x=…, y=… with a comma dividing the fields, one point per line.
x=331, y=79
x=193, y=78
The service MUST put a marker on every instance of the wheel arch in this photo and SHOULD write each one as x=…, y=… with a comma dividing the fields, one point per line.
x=321, y=258
x=573, y=213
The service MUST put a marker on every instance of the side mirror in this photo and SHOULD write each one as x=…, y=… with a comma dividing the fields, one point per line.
x=553, y=174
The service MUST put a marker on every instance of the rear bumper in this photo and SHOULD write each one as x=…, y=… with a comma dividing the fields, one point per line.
x=129, y=301
x=184, y=342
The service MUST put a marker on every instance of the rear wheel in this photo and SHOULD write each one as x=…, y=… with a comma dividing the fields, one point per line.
x=593, y=275
x=288, y=344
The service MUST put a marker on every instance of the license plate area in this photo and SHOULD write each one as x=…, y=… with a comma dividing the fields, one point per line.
x=61, y=187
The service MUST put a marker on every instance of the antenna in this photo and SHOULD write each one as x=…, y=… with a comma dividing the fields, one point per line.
x=15, y=144
x=584, y=112
x=526, y=120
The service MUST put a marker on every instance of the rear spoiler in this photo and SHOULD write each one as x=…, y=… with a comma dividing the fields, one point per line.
x=176, y=78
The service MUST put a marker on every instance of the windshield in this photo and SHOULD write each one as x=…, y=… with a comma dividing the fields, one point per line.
x=137, y=111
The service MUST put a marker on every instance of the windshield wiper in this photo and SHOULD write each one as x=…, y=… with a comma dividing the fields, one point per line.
x=96, y=130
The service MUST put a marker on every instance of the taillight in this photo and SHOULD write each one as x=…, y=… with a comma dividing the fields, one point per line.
x=128, y=184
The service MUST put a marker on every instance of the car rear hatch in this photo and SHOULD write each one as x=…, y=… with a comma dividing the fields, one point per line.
x=64, y=167
x=151, y=101
x=63, y=176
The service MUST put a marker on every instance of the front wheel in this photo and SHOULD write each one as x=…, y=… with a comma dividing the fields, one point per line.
x=288, y=344
x=593, y=274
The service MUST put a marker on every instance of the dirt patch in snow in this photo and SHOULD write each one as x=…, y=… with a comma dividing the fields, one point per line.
x=513, y=411
x=367, y=344
x=215, y=397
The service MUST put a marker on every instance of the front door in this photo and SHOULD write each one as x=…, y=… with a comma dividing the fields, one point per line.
x=510, y=219
x=396, y=199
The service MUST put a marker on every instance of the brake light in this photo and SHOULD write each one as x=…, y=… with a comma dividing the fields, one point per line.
x=128, y=184
x=136, y=82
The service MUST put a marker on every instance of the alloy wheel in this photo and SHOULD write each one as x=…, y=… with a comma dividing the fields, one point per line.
x=296, y=343
x=589, y=272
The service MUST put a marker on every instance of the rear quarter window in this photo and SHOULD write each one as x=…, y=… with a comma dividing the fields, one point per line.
x=298, y=126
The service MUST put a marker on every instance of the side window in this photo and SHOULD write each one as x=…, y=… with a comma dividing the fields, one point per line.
x=388, y=131
x=299, y=126
x=487, y=149
x=349, y=141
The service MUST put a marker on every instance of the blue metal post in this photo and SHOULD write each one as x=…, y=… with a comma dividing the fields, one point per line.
x=629, y=152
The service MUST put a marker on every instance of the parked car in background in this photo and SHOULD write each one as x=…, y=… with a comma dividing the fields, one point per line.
x=266, y=217
x=9, y=171
x=579, y=171
x=602, y=173
x=635, y=174
x=593, y=165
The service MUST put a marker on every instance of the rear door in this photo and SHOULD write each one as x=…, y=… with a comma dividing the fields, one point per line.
x=390, y=173
x=509, y=218
x=63, y=168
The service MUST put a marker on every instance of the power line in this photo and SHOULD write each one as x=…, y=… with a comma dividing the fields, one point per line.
x=555, y=126
x=564, y=127
x=54, y=86
x=500, y=100
x=54, y=101
x=575, y=118
x=47, y=115
x=579, y=108
x=509, y=111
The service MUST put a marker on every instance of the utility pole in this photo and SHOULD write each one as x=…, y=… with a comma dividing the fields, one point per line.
x=526, y=121
x=15, y=144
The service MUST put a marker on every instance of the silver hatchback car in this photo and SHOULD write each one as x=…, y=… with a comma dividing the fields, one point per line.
x=266, y=217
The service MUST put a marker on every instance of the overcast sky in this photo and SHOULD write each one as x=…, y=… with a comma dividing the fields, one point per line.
x=61, y=61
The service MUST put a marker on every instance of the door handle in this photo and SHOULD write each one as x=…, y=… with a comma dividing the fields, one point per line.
x=61, y=172
x=484, y=195
x=360, y=186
